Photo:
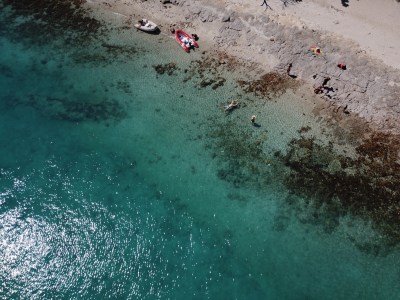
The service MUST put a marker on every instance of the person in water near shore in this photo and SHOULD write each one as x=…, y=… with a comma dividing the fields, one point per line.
x=231, y=105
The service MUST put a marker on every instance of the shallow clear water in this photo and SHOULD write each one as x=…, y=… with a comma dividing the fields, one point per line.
x=115, y=182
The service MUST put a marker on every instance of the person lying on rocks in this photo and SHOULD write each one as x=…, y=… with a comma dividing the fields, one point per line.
x=319, y=90
x=316, y=50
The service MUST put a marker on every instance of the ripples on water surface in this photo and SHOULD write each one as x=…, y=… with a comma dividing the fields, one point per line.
x=64, y=235
x=117, y=181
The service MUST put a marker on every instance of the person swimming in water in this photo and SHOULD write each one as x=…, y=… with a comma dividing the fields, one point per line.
x=233, y=104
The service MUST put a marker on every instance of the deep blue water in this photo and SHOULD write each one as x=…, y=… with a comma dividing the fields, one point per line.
x=117, y=181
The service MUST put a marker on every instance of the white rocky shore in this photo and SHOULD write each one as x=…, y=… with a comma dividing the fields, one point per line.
x=363, y=36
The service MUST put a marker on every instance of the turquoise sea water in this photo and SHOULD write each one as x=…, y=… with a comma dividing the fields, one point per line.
x=119, y=182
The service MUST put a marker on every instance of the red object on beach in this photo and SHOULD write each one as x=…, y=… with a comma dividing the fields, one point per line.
x=185, y=40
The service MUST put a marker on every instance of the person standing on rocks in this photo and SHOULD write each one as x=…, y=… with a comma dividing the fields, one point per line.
x=266, y=4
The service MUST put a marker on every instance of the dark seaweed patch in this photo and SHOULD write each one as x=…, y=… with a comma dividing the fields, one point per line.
x=207, y=70
x=91, y=58
x=98, y=112
x=124, y=86
x=118, y=50
x=304, y=129
x=46, y=19
x=169, y=68
x=105, y=55
x=75, y=110
x=5, y=71
x=324, y=185
x=269, y=85
x=367, y=186
x=214, y=82
x=243, y=163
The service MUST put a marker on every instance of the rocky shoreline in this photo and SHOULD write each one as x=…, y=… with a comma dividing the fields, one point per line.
x=367, y=88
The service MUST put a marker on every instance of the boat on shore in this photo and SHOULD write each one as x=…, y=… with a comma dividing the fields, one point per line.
x=146, y=25
x=185, y=40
